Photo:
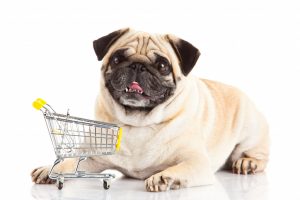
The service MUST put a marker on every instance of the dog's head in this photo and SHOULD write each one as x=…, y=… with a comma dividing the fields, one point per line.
x=141, y=70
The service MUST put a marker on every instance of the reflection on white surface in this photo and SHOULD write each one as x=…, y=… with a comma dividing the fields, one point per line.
x=244, y=187
x=227, y=186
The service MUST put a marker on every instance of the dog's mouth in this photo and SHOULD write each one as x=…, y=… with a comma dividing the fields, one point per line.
x=138, y=93
x=134, y=87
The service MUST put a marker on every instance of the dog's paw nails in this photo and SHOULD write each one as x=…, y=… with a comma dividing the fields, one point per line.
x=162, y=182
x=40, y=176
x=245, y=166
x=157, y=182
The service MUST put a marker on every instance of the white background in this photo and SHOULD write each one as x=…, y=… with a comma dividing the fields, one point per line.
x=46, y=51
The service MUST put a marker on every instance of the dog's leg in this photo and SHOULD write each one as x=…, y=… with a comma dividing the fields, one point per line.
x=252, y=159
x=40, y=174
x=191, y=172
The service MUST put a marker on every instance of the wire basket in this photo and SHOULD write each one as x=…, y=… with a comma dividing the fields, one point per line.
x=78, y=137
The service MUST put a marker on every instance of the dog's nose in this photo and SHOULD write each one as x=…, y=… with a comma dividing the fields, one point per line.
x=138, y=67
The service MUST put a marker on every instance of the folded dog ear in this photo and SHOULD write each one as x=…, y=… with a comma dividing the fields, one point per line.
x=186, y=53
x=102, y=45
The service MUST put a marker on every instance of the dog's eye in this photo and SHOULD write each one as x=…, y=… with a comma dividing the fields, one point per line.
x=162, y=65
x=117, y=57
x=163, y=68
x=116, y=60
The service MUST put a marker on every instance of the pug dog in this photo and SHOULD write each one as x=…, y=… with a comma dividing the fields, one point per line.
x=177, y=129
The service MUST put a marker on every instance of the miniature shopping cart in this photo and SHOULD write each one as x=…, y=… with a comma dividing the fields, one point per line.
x=74, y=137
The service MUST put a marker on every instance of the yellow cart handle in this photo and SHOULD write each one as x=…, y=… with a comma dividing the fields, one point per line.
x=119, y=138
x=39, y=103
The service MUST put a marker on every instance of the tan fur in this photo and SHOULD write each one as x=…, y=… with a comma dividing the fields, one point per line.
x=184, y=140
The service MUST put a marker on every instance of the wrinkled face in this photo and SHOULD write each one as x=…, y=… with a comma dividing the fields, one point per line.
x=140, y=70
x=137, y=81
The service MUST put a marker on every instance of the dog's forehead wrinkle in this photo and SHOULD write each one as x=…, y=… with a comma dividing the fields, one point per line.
x=152, y=45
x=140, y=58
x=150, y=57
x=143, y=44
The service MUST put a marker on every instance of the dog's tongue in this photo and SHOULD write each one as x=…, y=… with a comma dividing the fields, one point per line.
x=135, y=86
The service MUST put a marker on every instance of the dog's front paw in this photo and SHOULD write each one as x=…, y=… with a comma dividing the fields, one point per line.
x=163, y=182
x=40, y=176
x=245, y=166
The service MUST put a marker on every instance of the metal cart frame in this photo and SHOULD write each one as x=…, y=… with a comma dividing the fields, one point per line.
x=74, y=137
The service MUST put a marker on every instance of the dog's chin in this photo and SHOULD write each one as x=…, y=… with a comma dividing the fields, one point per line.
x=135, y=101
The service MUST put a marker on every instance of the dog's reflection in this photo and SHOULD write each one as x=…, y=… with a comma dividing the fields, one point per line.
x=227, y=186
x=245, y=187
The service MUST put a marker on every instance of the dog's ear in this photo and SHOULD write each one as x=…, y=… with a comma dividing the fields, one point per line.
x=187, y=54
x=102, y=45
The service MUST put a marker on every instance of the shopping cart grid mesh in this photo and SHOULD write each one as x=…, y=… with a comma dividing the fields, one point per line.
x=73, y=137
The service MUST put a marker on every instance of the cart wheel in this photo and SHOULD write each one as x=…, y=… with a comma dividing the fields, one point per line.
x=60, y=182
x=60, y=185
x=106, y=184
